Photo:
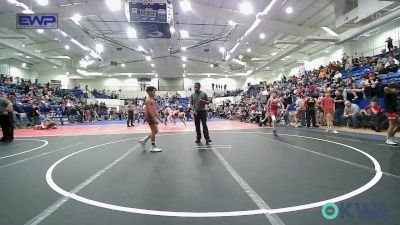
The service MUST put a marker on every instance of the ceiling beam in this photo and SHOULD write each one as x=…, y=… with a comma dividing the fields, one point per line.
x=12, y=44
x=287, y=28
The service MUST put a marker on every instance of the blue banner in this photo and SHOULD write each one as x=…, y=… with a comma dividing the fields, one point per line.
x=37, y=21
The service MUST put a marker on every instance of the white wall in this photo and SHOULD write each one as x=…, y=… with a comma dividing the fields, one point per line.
x=373, y=45
x=9, y=69
x=232, y=83
x=47, y=76
x=324, y=59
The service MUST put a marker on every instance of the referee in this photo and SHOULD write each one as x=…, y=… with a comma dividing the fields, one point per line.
x=198, y=101
x=130, y=120
x=6, y=120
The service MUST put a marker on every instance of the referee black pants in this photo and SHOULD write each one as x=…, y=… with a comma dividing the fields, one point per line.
x=310, y=114
x=201, y=117
x=7, y=126
x=130, y=121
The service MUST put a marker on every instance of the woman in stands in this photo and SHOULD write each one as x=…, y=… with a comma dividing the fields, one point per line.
x=273, y=107
x=391, y=112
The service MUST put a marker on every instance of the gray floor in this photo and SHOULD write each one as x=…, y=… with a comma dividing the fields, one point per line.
x=282, y=172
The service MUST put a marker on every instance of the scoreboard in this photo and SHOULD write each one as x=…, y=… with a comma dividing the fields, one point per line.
x=151, y=18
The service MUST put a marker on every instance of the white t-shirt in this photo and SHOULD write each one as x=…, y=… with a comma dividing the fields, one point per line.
x=337, y=76
x=299, y=103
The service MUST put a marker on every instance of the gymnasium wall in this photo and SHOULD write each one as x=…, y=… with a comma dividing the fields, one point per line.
x=9, y=68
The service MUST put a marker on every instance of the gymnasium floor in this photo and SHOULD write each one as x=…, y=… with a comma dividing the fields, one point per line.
x=100, y=175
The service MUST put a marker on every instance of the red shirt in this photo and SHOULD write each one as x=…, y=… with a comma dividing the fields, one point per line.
x=327, y=104
x=312, y=88
x=377, y=108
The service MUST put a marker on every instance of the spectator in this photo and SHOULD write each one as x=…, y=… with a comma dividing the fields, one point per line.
x=373, y=113
x=352, y=114
x=311, y=104
x=300, y=111
x=392, y=67
x=389, y=42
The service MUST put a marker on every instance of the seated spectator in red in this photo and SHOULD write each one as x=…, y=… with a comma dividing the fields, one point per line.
x=373, y=113
x=312, y=87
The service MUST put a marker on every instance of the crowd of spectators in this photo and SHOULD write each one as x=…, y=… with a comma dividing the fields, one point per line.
x=35, y=103
x=356, y=84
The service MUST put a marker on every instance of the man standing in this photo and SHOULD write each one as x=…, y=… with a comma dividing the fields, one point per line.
x=6, y=120
x=198, y=102
x=130, y=121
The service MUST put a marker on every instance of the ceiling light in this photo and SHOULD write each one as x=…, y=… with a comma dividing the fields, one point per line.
x=40, y=31
x=246, y=8
x=152, y=65
x=54, y=67
x=274, y=53
x=184, y=65
x=184, y=49
x=231, y=23
x=211, y=65
x=113, y=5
x=66, y=47
x=27, y=11
x=23, y=64
x=42, y=2
x=123, y=65
x=172, y=30
x=183, y=75
x=226, y=76
x=67, y=73
x=289, y=10
x=156, y=75
x=56, y=39
x=23, y=45
x=184, y=34
x=184, y=58
x=129, y=75
x=240, y=57
x=208, y=75
x=185, y=6
x=222, y=49
x=131, y=32
x=76, y=18
x=99, y=48
x=28, y=57
x=248, y=50
x=38, y=51
x=262, y=35
x=148, y=58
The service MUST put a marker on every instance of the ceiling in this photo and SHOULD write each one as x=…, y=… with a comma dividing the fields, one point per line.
x=207, y=22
